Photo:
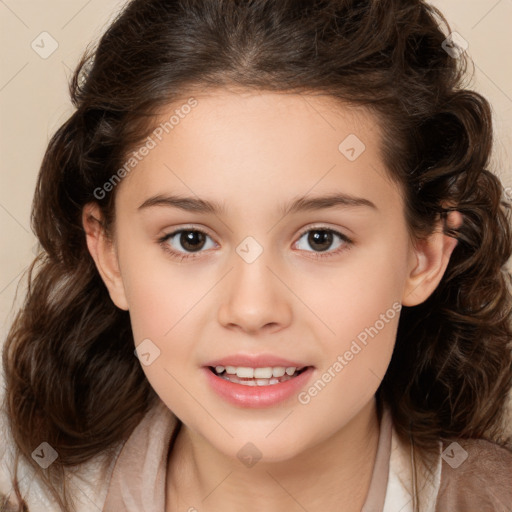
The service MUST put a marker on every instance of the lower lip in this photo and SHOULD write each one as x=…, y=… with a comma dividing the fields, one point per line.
x=257, y=396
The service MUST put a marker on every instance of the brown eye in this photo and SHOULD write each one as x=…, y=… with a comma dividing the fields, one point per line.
x=320, y=240
x=323, y=240
x=192, y=240
x=186, y=241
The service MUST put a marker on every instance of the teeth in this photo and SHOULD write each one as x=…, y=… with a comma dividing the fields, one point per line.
x=278, y=371
x=256, y=382
x=247, y=373
x=268, y=376
x=244, y=372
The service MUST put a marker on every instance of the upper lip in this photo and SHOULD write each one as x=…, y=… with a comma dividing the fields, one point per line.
x=256, y=361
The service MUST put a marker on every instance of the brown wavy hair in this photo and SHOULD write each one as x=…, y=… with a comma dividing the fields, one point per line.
x=71, y=376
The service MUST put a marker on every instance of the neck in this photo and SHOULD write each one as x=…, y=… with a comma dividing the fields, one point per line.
x=320, y=478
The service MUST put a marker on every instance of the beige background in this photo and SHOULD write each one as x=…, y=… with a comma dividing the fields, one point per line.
x=34, y=100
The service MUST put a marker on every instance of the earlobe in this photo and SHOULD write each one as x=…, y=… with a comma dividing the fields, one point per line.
x=104, y=254
x=430, y=259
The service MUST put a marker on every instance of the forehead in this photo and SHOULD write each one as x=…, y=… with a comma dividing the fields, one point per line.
x=258, y=143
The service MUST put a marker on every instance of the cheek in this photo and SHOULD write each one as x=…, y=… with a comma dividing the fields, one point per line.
x=359, y=306
x=163, y=320
x=352, y=295
x=164, y=307
x=158, y=292
x=355, y=358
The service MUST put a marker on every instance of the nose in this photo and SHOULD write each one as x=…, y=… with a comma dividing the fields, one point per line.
x=254, y=299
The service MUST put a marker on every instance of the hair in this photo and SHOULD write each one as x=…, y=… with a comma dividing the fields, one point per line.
x=70, y=347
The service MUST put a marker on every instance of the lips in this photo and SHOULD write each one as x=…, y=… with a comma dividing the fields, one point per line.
x=257, y=396
x=230, y=378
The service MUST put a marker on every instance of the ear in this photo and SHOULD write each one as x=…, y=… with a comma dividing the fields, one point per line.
x=103, y=252
x=429, y=260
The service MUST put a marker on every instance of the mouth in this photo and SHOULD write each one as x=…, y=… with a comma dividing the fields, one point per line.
x=258, y=386
x=267, y=376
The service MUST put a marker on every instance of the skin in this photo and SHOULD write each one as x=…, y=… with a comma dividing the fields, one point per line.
x=253, y=152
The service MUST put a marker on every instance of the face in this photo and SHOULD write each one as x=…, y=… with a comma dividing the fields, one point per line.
x=264, y=231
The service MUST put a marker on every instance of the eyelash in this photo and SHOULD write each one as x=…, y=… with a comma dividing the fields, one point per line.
x=314, y=254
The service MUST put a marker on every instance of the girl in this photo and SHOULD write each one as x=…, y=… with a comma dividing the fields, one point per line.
x=273, y=271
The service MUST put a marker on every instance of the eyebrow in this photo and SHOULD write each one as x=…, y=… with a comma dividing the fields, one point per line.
x=304, y=203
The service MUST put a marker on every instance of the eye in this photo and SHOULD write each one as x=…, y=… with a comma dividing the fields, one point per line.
x=323, y=240
x=184, y=241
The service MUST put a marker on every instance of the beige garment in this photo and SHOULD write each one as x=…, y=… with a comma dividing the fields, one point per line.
x=482, y=483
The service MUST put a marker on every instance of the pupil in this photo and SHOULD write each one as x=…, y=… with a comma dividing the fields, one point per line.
x=322, y=238
x=192, y=240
